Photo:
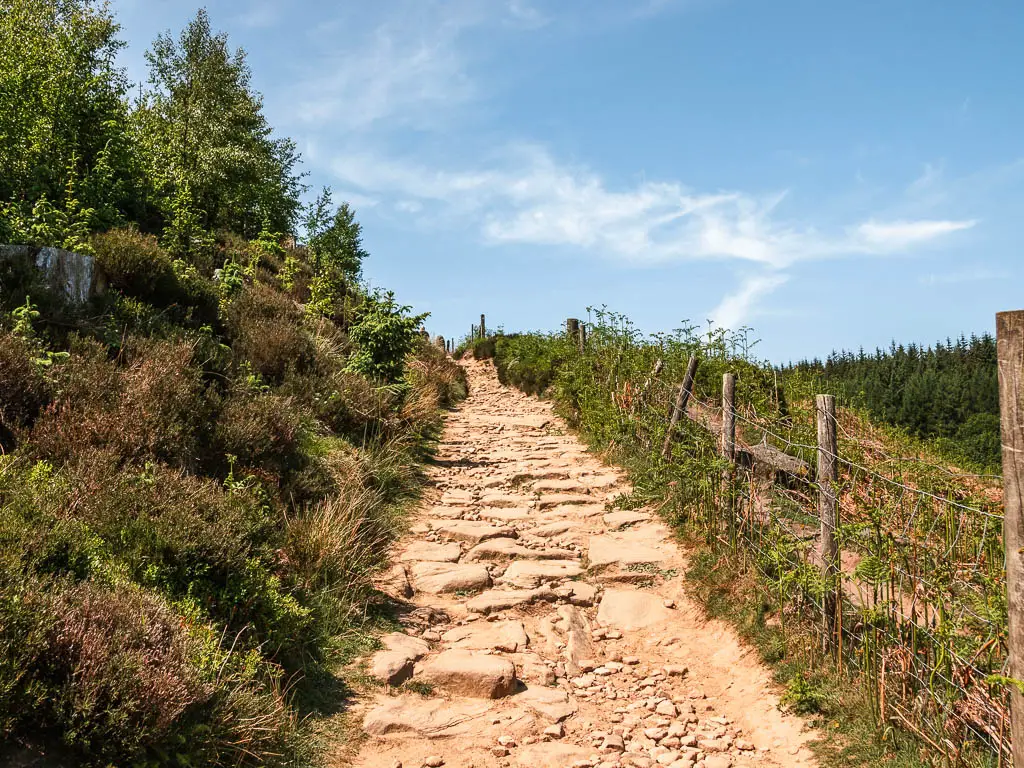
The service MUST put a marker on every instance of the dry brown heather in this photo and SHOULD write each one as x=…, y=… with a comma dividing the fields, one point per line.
x=543, y=629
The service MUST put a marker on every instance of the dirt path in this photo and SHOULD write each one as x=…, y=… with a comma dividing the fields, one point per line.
x=544, y=630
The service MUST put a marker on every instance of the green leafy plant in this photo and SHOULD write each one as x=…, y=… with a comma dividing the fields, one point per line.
x=385, y=333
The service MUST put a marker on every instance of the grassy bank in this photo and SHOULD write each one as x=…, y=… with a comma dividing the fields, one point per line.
x=198, y=481
x=903, y=680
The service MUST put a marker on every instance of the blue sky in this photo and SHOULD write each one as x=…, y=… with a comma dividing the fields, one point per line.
x=831, y=174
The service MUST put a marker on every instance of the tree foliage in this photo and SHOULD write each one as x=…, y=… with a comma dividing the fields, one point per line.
x=63, y=116
x=949, y=392
x=206, y=141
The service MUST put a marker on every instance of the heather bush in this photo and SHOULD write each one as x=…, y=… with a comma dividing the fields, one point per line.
x=24, y=388
x=126, y=681
x=262, y=431
x=152, y=405
x=266, y=329
x=135, y=264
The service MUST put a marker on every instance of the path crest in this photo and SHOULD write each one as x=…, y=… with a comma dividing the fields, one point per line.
x=550, y=629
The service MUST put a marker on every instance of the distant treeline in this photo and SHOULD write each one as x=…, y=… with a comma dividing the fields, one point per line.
x=948, y=392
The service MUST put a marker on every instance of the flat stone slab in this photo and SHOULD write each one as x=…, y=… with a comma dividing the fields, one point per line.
x=507, y=514
x=622, y=518
x=429, y=718
x=576, y=511
x=601, y=481
x=497, y=549
x=467, y=673
x=578, y=592
x=473, y=531
x=613, y=549
x=510, y=549
x=579, y=644
x=552, y=704
x=629, y=609
x=457, y=496
x=557, y=528
x=502, y=600
x=531, y=574
x=507, y=636
x=399, y=642
x=504, y=500
x=440, y=578
x=432, y=552
x=445, y=512
x=555, y=485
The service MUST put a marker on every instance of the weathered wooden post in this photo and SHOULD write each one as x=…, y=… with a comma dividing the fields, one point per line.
x=728, y=442
x=680, y=406
x=583, y=337
x=1010, y=354
x=572, y=327
x=828, y=509
x=483, y=328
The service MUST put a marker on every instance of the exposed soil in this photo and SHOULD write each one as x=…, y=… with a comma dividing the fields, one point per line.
x=545, y=629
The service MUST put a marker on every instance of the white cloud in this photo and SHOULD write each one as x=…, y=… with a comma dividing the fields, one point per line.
x=900, y=234
x=735, y=309
x=526, y=196
x=408, y=72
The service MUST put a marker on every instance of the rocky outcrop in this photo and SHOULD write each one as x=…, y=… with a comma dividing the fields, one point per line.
x=71, y=275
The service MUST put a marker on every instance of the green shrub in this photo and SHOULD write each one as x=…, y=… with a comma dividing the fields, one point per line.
x=135, y=264
x=267, y=330
x=384, y=334
x=483, y=349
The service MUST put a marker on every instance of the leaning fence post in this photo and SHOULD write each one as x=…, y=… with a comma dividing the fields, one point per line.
x=728, y=440
x=1010, y=354
x=680, y=407
x=828, y=508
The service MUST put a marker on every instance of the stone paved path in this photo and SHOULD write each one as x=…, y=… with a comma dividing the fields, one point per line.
x=546, y=630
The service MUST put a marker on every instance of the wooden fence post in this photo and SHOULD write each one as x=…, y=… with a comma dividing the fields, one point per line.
x=728, y=441
x=828, y=508
x=1010, y=354
x=680, y=407
x=583, y=337
x=572, y=327
x=483, y=328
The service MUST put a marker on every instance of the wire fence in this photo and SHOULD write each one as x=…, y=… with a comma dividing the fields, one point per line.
x=920, y=598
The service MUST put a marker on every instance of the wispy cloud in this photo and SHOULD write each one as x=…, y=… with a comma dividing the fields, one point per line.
x=735, y=309
x=409, y=72
x=526, y=196
x=900, y=234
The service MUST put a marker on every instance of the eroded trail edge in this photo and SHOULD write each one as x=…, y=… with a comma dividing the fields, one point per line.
x=545, y=629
